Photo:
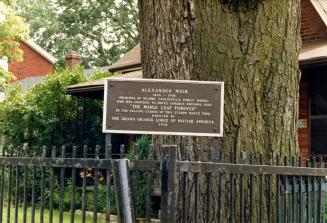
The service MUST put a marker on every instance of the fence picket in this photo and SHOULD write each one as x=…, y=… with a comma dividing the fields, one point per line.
x=62, y=187
x=308, y=198
x=321, y=165
x=251, y=178
x=278, y=211
x=293, y=204
x=149, y=188
x=73, y=199
x=108, y=155
x=96, y=187
x=16, y=187
x=9, y=188
x=25, y=148
x=2, y=185
x=208, y=189
x=269, y=191
x=220, y=196
x=231, y=196
x=285, y=206
x=42, y=187
x=183, y=187
x=300, y=194
x=168, y=183
x=33, y=191
x=196, y=189
x=241, y=186
x=314, y=212
x=53, y=156
x=85, y=148
x=260, y=192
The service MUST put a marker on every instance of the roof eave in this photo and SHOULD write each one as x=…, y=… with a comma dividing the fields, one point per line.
x=313, y=62
x=41, y=51
x=131, y=67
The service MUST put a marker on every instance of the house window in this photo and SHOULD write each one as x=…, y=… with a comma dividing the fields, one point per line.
x=318, y=92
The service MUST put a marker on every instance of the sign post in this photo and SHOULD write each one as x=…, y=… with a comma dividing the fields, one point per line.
x=161, y=107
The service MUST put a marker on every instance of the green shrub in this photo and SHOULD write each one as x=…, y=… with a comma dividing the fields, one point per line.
x=102, y=200
x=143, y=148
x=45, y=115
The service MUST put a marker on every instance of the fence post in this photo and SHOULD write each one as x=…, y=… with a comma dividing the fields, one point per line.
x=125, y=209
x=168, y=184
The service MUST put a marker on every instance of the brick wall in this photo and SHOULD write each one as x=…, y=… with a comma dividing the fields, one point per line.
x=33, y=64
x=312, y=26
x=304, y=133
x=312, y=29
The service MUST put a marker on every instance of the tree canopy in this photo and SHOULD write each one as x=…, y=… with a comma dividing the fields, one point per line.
x=12, y=29
x=100, y=30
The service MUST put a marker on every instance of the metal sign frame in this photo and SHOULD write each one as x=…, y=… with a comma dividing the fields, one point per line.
x=105, y=130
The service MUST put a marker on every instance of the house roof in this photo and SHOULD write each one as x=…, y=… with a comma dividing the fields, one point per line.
x=129, y=61
x=94, y=89
x=129, y=66
x=313, y=53
x=310, y=53
x=29, y=82
x=41, y=51
x=321, y=8
x=89, y=72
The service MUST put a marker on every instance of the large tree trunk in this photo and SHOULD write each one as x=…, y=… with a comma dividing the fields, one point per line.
x=251, y=45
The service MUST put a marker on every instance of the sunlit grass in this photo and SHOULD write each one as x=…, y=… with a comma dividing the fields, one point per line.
x=66, y=217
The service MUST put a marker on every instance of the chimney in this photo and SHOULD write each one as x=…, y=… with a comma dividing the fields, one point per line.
x=72, y=59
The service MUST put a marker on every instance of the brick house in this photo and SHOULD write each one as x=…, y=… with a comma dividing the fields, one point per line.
x=36, y=64
x=312, y=125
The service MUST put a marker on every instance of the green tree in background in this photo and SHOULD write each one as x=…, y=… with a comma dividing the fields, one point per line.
x=12, y=30
x=100, y=30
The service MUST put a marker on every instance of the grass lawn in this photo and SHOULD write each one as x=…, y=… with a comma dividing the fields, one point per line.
x=78, y=218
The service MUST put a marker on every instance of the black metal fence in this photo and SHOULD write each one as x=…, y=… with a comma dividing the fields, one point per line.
x=285, y=189
x=33, y=187
x=31, y=183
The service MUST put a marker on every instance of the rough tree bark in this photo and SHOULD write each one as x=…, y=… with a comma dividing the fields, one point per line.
x=251, y=45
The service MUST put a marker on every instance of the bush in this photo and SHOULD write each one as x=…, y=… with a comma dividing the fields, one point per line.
x=143, y=145
x=46, y=115
x=102, y=200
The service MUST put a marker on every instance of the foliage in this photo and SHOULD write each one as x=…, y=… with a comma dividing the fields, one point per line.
x=46, y=115
x=142, y=144
x=5, y=77
x=100, y=30
x=89, y=199
x=102, y=200
x=12, y=30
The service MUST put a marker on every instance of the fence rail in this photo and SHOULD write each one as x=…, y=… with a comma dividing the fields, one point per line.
x=33, y=187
